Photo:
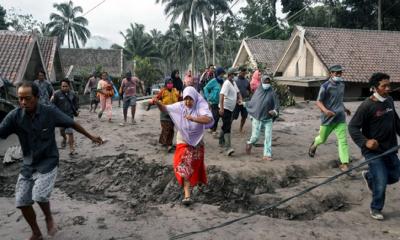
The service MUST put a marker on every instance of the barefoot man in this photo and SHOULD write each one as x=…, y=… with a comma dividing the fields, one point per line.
x=34, y=124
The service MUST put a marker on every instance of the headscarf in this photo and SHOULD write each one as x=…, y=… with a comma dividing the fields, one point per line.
x=191, y=132
x=177, y=81
x=262, y=101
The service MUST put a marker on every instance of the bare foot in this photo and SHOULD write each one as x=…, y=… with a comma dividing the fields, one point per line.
x=51, y=227
x=266, y=158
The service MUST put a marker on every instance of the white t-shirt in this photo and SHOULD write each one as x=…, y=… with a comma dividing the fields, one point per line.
x=230, y=92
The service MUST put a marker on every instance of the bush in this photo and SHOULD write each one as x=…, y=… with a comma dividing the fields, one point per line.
x=286, y=98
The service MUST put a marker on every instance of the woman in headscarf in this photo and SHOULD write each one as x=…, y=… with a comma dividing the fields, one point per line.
x=105, y=92
x=188, y=81
x=191, y=117
x=263, y=109
x=177, y=81
x=168, y=95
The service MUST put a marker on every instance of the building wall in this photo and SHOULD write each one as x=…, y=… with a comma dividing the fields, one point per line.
x=298, y=65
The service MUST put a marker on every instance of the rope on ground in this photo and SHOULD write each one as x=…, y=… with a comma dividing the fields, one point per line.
x=391, y=150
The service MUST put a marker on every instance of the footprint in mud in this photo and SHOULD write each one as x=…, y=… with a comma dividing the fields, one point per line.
x=79, y=220
x=101, y=223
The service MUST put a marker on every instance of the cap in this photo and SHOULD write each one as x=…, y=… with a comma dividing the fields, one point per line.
x=219, y=71
x=336, y=68
x=232, y=71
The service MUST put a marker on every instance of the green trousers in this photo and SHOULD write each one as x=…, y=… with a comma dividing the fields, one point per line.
x=340, y=130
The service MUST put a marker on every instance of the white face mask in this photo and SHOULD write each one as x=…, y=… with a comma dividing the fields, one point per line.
x=379, y=97
x=337, y=79
x=266, y=86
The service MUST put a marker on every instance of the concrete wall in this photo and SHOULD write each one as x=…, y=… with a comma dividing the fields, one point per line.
x=298, y=65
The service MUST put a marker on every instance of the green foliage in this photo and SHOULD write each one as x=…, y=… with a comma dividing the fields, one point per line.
x=260, y=16
x=138, y=42
x=146, y=71
x=68, y=24
x=3, y=23
x=286, y=98
x=22, y=22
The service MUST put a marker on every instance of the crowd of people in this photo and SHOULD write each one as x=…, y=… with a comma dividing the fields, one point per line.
x=191, y=106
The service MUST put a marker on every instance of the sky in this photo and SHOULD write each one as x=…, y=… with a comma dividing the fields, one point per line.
x=108, y=19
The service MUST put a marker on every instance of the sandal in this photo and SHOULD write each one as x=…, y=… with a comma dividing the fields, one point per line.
x=187, y=201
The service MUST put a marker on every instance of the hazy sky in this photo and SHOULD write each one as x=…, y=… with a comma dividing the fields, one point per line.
x=108, y=19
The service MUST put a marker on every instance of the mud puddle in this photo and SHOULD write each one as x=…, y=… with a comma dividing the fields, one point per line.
x=138, y=186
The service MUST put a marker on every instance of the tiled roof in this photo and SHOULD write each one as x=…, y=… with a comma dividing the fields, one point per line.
x=86, y=60
x=48, y=47
x=266, y=51
x=15, y=50
x=360, y=52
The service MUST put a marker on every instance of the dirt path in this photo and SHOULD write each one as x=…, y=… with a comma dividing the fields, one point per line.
x=125, y=189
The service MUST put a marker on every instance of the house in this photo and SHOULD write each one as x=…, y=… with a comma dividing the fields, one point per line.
x=20, y=57
x=259, y=51
x=49, y=47
x=82, y=62
x=304, y=63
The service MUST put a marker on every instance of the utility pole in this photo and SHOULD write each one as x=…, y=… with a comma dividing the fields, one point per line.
x=379, y=15
x=213, y=36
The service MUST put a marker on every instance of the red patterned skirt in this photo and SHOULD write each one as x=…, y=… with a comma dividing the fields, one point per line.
x=189, y=164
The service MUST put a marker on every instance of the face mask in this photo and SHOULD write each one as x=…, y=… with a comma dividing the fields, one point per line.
x=170, y=85
x=379, y=97
x=266, y=86
x=337, y=79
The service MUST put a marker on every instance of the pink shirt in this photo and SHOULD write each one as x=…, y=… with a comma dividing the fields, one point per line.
x=255, y=80
x=129, y=87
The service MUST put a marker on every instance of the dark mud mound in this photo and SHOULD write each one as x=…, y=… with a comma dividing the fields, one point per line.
x=128, y=180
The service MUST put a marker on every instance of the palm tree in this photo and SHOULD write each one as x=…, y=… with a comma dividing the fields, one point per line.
x=193, y=12
x=138, y=43
x=187, y=10
x=175, y=46
x=69, y=24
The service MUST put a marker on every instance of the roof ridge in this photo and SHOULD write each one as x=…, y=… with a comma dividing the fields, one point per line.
x=350, y=30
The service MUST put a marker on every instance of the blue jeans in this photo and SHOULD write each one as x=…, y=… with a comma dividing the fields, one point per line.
x=382, y=171
x=256, y=127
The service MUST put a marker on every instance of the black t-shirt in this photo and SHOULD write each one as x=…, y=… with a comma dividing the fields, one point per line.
x=377, y=120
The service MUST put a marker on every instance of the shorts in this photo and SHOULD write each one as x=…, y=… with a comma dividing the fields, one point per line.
x=36, y=188
x=239, y=109
x=68, y=130
x=128, y=102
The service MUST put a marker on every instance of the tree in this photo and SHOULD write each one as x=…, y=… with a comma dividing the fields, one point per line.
x=69, y=24
x=3, y=23
x=146, y=71
x=260, y=16
x=138, y=43
x=22, y=22
x=175, y=47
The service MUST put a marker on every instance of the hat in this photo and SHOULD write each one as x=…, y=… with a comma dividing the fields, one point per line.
x=219, y=71
x=336, y=68
x=265, y=77
x=232, y=71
